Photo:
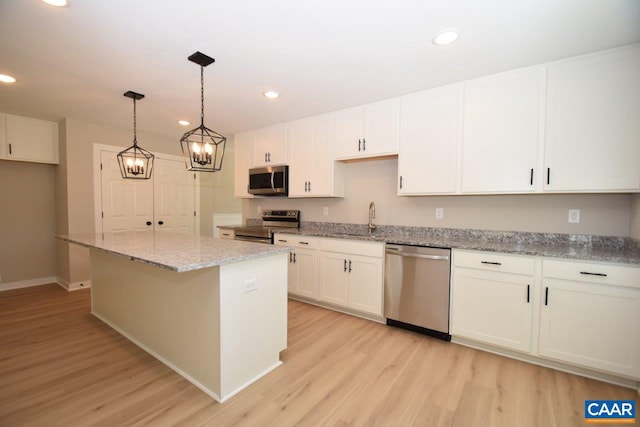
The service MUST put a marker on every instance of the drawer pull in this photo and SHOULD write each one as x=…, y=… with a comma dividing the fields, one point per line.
x=546, y=295
x=528, y=289
x=586, y=273
x=304, y=243
x=491, y=263
x=279, y=240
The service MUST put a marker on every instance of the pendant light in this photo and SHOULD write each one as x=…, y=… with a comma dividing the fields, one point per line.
x=135, y=162
x=202, y=148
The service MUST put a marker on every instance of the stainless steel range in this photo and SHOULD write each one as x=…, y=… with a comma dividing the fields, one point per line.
x=272, y=222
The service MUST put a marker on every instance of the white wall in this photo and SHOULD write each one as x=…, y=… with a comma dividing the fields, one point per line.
x=375, y=180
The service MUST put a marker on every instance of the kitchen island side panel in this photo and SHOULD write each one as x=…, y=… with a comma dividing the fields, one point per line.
x=253, y=320
x=174, y=316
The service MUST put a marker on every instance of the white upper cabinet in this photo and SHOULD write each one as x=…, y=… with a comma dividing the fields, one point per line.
x=242, y=144
x=501, y=130
x=270, y=146
x=592, y=138
x=30, y=140
x=312, y=170
x=3, y=137
x=367, y=131
x=427, y=158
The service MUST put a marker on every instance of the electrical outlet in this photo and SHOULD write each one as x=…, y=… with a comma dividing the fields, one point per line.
x=325, y=211
x=574, y=216
x=259, y=210
x=439, y=213
x=250, y=285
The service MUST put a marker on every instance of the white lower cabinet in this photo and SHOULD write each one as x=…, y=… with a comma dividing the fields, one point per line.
x=590, y=316
x=303, y=264
x=351, y=275
x=493, y=299
x=585, y=314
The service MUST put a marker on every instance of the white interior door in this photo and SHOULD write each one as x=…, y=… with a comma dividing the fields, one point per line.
x=174, y=197
x=127, y=204
x=167, y=201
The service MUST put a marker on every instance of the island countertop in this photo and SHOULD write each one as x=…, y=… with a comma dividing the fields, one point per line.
x=174, y=251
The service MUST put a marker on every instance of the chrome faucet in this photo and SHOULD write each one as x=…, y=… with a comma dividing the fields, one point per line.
x=372, y=214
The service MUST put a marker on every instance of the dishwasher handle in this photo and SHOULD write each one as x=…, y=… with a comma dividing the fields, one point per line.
x=423, y=256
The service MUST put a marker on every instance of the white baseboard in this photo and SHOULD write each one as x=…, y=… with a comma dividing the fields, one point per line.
x=27, y=283
x=75, y=285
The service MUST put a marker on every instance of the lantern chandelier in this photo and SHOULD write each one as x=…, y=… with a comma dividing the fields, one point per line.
x=135, y=162
x=202, y=148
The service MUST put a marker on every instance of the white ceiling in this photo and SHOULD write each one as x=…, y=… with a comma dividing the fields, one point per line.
x=321, y=55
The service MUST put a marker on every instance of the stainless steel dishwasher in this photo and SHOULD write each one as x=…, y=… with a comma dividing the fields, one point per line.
x=416, y=289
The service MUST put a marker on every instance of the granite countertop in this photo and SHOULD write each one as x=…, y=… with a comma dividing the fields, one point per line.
x=575, y=247
x=174, y=251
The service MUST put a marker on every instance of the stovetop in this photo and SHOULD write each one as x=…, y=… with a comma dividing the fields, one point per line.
x=272, y=221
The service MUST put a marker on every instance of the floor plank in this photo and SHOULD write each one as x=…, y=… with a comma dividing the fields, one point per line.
x=60, y=366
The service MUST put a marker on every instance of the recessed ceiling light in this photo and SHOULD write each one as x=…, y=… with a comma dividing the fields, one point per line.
x=184, y=122
x=445, y=37
x=7, y=79
x=271, y=94
x=57, y=3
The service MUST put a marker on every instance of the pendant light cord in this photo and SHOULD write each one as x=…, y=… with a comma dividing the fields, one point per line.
x=135, y=141
x=201, y=96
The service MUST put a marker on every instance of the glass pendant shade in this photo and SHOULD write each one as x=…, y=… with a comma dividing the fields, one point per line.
x=202, y=148
x=135, y=162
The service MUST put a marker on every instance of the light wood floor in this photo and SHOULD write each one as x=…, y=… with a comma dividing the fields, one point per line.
x=60, y=366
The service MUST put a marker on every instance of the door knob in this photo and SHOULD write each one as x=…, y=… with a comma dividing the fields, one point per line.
x=149, y=223
x=160, y=222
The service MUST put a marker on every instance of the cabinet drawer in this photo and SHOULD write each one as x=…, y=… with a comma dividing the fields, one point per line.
x=515, y=264
x=296, y=241
x=590, y=272
x=372, y=249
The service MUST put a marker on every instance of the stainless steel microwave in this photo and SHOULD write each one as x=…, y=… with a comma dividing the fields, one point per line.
x=269, y=181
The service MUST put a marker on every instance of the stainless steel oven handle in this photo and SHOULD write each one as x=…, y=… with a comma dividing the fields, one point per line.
x=252, y=239
x=433, y=257
x=273, y=187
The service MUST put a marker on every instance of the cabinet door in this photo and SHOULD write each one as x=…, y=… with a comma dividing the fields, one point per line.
x=270, y=146
x=365, y=284
x=380, y=136
x=501, y=131
x=349, y=133
x=494, y=308
x=322, y=178
x=31, y=140
x=3, y=137
x=302, y=163
x=596, y=326
x=242, y=143
x=306, y=273
x=592, y=127
x=334, y=279
x=427, y=158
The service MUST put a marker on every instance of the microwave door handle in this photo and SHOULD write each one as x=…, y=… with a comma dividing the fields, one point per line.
x=273, y=187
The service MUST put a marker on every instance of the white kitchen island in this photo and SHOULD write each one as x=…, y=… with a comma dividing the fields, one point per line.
x=213, y=310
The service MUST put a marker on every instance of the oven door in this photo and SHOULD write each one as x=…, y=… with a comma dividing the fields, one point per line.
x=253, y=239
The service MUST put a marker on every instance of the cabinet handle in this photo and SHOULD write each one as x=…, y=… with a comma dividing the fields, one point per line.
x=295, y=259
x=528, y=289
x=490, y=263
x=586, y=273
x=531, y=177
x=359, y=145
x=282, y=240
x=345, y=265
x=269, y=157
x=9, y=148
x=349, y=266
x=309, y=186
x=265, y=157
x=546, y=295
x=290, y=257
x=364, y=144
x=305, y=187
x=149, y=223
x=304, y=243
x=401, y=182
x=548, y=175
x=160, y=222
